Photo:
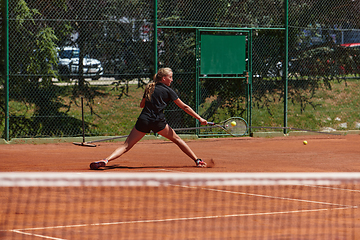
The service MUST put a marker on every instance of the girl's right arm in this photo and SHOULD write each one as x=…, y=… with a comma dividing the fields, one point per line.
x=189, y=111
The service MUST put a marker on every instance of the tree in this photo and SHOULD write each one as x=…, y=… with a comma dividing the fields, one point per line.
x=33, y=60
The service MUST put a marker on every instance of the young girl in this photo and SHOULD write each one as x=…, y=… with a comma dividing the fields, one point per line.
x=152, y=118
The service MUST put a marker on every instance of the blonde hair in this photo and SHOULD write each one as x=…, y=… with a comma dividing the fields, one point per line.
x=149, y=90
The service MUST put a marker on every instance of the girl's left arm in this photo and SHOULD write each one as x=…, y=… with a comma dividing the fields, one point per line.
x=142, y=103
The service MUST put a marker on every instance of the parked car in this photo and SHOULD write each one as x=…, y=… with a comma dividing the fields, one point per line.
x=351, y=64
x=323, y=60
x=69, y=64
x=351, y=45
x=327, y=60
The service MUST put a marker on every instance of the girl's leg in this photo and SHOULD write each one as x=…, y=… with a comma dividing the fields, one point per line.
x=170, y=134
x=130, y=141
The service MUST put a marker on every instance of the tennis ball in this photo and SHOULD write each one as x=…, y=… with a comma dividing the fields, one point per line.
x=233, y=123
x=305, y=142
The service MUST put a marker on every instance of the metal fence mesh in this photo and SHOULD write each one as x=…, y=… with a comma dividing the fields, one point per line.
x=233, y=13
x=2, y=70
x=104, y=51
x=323, y=72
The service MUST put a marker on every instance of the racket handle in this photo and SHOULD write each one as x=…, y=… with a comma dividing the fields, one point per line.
x=210, y=123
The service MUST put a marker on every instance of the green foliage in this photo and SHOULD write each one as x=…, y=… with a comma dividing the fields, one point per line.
x=32, y=67
x=111, y=31
x=308, y=109
x=44, y=58
x=113, y=116
x=223, y=97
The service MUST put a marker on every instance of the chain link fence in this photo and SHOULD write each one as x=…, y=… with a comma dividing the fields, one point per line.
x=2, y=70
x=104, y=51
x=323, y=65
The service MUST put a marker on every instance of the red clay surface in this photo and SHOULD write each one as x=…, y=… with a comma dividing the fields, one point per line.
x=323, y=153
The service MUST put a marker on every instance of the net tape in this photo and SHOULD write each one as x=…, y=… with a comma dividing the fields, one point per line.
x=54, y=179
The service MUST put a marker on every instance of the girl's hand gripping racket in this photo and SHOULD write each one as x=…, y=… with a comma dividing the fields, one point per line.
x=235, y=126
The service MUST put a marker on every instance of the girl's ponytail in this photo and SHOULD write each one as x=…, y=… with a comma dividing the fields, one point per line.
x=149, y=90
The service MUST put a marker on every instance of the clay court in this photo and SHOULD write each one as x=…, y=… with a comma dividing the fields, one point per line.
x=323, y=153
x=235, y=217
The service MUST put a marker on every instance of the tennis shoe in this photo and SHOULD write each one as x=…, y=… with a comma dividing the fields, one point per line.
x=200, y=163
x=98, y=164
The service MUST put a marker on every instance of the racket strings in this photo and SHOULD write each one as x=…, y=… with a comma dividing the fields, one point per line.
x=236, y=126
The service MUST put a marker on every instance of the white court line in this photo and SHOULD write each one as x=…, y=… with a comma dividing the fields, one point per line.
x=334, y=188
x=36, y=235
x=268, y=196
x=176, y=219
x=175, y=171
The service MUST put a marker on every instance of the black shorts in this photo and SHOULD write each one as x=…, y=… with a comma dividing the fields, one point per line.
x=146, y=126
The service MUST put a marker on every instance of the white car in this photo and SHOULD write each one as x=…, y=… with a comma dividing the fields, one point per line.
x=69, y=64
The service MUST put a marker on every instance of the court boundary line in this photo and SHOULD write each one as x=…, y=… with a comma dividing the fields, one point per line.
x=176, y=219
x=269, y=196
x=37, y=235
x=334, y=188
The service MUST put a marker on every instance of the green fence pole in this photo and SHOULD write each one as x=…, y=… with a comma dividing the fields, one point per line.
x=197, y=76
x=286, y=64
x=6, y=75
x=250, y=41
x=155, y=38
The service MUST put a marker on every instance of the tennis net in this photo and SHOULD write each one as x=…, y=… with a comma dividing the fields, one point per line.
x=179, y=205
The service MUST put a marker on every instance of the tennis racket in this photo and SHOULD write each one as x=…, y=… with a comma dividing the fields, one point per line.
x=235, y=126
